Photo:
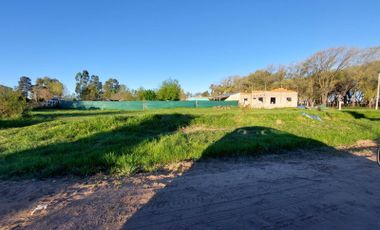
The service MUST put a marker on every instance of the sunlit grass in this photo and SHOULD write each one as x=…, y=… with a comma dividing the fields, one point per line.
x=74, y=142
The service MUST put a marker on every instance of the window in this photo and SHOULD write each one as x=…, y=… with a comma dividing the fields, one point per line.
x=273, y=100
x=245, y=101
x=261, y=99
x=289, y=99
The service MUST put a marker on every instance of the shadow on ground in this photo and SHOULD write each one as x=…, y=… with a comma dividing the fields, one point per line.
x=319, y=187
x=316, y=186
x=358, y=115
x=87, y=156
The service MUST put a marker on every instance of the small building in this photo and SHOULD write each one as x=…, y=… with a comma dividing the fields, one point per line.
x=197, y=99
x=277, y=98
x=222, y=97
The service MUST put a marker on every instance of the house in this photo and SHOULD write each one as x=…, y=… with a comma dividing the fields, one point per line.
x=277, y=98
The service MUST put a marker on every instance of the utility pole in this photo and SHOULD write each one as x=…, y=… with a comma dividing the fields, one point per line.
x=378, y=92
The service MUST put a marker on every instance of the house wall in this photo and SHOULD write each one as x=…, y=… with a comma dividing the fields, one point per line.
x=262, y=99
x=244, y=99
x=282, y=99
x=234, y=97
x=197, y=99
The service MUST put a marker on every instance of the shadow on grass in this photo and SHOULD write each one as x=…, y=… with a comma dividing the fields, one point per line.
x=97, y=153
x=358, y=115
x=18, y=123
x=251, y=141
x=229, y=199
x=217, y=197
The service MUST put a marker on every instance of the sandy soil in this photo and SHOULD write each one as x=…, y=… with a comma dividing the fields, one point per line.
x=322, y=189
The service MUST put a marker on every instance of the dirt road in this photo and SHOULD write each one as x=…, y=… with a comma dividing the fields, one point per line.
x=298, y=190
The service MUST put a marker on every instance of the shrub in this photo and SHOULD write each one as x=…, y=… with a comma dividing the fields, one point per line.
x=11, y=103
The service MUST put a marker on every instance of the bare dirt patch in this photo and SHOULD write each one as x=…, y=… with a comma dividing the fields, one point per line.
x=194, y=129
x=296, y=190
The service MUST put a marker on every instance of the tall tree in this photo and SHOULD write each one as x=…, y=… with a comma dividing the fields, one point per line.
x=346, y=73
x=110, y=87
x=24, y=86
x=368, y=82
x=324, y=68
x=170, y=90
x=82, y=79
x=47, y=88
x=94, y=89
x=229, y=85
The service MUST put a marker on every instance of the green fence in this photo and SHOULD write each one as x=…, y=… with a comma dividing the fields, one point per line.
x=142, y=105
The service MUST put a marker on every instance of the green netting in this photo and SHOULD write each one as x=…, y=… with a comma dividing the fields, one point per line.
x=142, y=105
x=104, y=105
x=168, y=104
x=208, y=104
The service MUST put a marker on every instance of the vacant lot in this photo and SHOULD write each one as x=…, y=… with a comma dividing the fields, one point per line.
x=201, y=168
x=319, y=189
x=69, y=142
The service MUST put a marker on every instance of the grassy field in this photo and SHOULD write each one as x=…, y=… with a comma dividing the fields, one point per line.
x=72, y=142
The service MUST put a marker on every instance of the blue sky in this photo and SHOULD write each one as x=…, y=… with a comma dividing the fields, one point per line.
x=198, y=42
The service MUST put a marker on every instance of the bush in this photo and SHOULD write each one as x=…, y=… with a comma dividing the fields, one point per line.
x=11, y=103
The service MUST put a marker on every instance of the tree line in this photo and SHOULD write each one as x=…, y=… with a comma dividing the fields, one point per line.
x=326, y=77
x=90, y=88
x=13, y=102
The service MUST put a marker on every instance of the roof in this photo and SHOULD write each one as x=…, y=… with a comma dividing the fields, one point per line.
x=278, y=90
x=5, y=87
x=197, y=99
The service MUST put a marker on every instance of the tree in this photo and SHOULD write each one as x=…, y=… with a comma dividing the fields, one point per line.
x=110, y=87
x=279, y=77
x=205, y=94
x=170, y=90
x=324, y=77
x=345, y=87
x=93, y=89
x=263, y=79
x=324, y=67
x=306, y=90
x=47, y=88
x=24, y=86
x=12, y=103
x=229, y=85
x=88, y=88
x=146, y=94
x=367, y=82
x=82, y=79
x=123, y=94
x=149, y=95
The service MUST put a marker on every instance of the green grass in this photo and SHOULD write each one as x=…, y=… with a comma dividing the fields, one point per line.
x=73, y=142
